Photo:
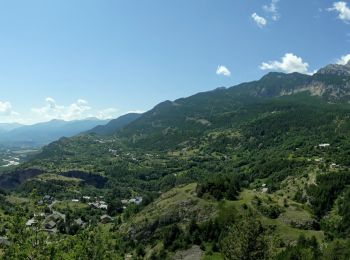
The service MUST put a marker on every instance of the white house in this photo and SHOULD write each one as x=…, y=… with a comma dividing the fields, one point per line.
x=323, y=145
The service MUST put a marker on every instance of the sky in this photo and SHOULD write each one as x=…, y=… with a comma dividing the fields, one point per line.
x=70, y=60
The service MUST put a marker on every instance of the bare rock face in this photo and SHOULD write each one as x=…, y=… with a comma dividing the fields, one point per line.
x=336, y=69
x=194, y=253
x=332, y=83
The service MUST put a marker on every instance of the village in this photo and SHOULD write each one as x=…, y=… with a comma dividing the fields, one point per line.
x=52, y=221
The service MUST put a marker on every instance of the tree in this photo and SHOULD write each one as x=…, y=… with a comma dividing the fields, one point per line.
x=115, y=207
x=246, y=240
x=305, y=249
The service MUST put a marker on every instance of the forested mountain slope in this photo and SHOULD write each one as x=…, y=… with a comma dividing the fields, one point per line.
x=222, y=108
x=255, y=171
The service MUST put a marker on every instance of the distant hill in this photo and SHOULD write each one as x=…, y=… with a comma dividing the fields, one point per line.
x=176, y=124
x=44, y=133
x=114, y=124
x=5, y=127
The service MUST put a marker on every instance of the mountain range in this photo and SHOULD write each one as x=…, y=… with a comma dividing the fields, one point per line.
x=173, y=122
x=194, y=114
x=258, y=169
x=5, y=127
x=43, y=133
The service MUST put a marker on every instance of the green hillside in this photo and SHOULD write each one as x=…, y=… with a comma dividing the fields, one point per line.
x=255, y=171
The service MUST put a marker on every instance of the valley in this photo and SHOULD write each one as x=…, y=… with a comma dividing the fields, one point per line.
x=255, y=171
x=175, y=130
x=14, y=156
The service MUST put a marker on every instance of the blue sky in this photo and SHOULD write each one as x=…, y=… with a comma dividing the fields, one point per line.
x=73, y=59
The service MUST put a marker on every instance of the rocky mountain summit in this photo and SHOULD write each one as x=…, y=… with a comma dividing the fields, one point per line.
x=336, y=69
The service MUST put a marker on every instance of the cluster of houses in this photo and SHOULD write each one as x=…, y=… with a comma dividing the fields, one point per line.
x=49, y=221
x=321, y=160
x=47, y=199
x=117, y=153
x=98, y=205
x=137, y=200
x=46, y=222
x=333, y=166
x=132, y=157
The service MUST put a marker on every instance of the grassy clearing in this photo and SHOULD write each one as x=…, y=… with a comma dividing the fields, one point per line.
x=180, y=202
x=67, y=204
x=294, y=212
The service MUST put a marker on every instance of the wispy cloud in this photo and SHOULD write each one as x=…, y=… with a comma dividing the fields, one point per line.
x=80, y=109
x=259, y=20
x=272, y=9
x=289, y=63
x=271, y=13
x=222, y=70
x=107, y=113
x=342, y=9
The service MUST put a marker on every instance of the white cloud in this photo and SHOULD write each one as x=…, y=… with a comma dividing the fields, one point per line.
x=344, y=60
x=7, y=114
x=272, y=8
x=52, y=110
x=136, y=111
x=108, y=113
x=289, y=63
x=342, y=9
x=260, y=21
x=78, y=110
x=5, y=108
x=222, y=70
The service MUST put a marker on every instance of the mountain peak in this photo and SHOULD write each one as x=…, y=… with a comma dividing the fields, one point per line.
x=273, y=75
x=283, y=76
x=336, y=69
